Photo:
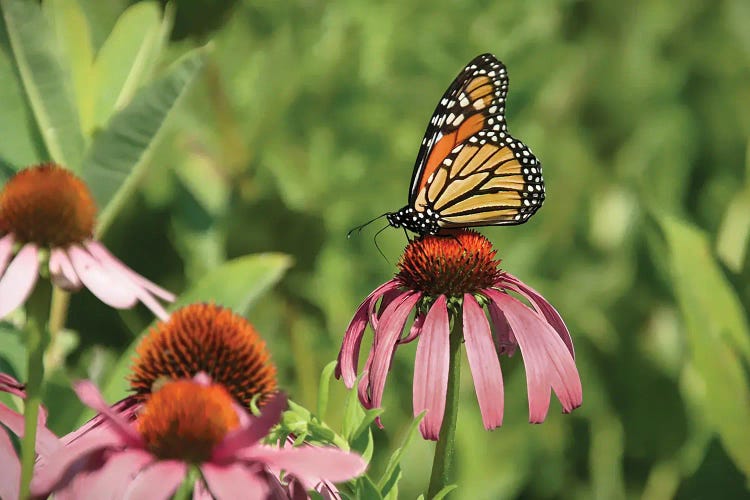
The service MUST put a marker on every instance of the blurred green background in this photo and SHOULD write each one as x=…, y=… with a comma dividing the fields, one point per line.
x=305, y=121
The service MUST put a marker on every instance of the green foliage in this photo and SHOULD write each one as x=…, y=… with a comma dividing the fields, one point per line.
x=303, y=119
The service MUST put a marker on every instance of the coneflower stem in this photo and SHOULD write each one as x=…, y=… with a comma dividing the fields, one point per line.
x=37, y=338
x=442, y=464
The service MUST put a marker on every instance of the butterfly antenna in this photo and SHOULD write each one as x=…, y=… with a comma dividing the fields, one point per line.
x=362, y=226
x=375, y=239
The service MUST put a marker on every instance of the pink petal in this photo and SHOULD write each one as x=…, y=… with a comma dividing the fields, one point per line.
x=349, y=354
x=363, y=388
x=19, y=279
x=6, y=250
x=11, y=468
x=127, y=408
x=485, y=367
x=115, y=476
x=62, y=272
x=11, y=386
x=506, y=342
x=431, y=369
x=89, y=395
x=106, y=287
x=158, y=481
x=388, y=292
x=547, y=358
x=105, y=257
x=416, y=327
x=46, y=441
x=545, y=308
x=388, y=332
x=53, y=470
x=256, y=430
x=200, y=491
x=235, y=481
x=311, y=464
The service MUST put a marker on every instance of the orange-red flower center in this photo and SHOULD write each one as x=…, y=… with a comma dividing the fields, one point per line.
x=211, y=339
x=185, y=420
x=47, y=205
x=452, y=265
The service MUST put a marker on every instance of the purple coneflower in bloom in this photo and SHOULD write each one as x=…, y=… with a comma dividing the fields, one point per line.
x=46, y=207
x=453, y=279
x=188, y=423
x=46, y=441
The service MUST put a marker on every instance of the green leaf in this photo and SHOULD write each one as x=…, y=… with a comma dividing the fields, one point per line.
x=118, y=156
x=323, y=389
x=12, y=351
x=717, y=334
x=71, y=30
x=444, y=492
x=46, y=82
x=734, y=233
x=367, y=490
x=126, y=58
x=236, y=284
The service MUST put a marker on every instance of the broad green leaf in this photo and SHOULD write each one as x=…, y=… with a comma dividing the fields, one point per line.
x=45, y=81
x=118, y=155
x=71, y=31
x=444, y=492
x=734, y=233
x=367, y=490
x=236, y=284
x=127, y=56
x=717, y=334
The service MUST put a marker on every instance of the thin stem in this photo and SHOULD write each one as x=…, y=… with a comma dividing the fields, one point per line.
x=37, y=339
x=442, y=465
x=58, y=310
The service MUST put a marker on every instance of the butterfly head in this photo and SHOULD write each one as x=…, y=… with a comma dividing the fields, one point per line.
x=420, y=222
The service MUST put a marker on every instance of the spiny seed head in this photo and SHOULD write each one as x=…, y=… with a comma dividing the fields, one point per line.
x=451, y=265
x=47, y=205
x=205, y=338
x=185, y=420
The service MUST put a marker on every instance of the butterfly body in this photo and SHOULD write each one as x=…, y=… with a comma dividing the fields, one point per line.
x=470, y=171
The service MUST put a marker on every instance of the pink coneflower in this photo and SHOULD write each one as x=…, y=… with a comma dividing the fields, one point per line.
x=46, y=441
x=453, y=279
x=47, y=214
x=188, y=423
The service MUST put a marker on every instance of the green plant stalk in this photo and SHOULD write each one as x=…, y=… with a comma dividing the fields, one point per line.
x=442, y=464
x=58, y=310
x=37, y=339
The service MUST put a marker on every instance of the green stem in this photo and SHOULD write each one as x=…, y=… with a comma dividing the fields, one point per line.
x=37, y=339
x=442, y=465
x=58, y=310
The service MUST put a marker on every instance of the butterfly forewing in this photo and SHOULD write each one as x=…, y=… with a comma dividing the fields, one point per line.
x=470, y=171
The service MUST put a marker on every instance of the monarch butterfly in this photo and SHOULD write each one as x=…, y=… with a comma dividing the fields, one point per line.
x=470, y=171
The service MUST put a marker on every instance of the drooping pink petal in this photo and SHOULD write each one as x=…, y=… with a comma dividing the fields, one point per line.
x=311, y=464
x=485, y=367
x=505, y=341
x=256, y=430
x=416, y=327
x=62, y=272
x=157, y=482
x=11, y=386
x=547, y=359
x=46, y=441
x=349, y=353
x=101, y=283
x=200, y=491
x=389, y=330
x=19, y=279
x=6, y=250
x=114, y=477
x=11, y=468
x=105, y=256
x=388, y=294
x=89, y=395
x=545, y=308
x=49, y=474
x=364, y=391
x=431, y=369
x=235, y=481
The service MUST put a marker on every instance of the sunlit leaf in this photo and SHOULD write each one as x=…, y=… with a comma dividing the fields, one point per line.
x=46, y=82
x=119, y=153
x=734, y=233
x=718, y=336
